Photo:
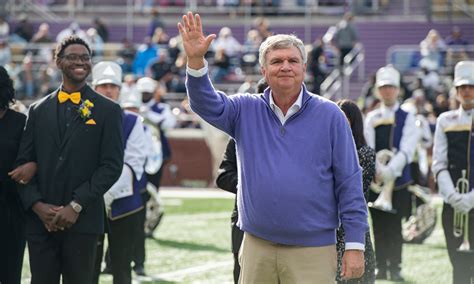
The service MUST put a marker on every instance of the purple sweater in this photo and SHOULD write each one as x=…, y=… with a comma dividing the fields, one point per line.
x=296, y=181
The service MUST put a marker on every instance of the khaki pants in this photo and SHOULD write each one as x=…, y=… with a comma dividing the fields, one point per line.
x=265, y=262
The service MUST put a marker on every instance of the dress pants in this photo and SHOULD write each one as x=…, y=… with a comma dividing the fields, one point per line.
x=121, y=237
x=138, y=255
x=387, y=228
x=98, y=259
x=12, y=240
x=237, y=237
x=63, y=253
x=462, y=262
x=262, y=261
x=387, y=239
x=121, y=241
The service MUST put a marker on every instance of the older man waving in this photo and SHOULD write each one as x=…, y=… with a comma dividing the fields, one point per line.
x=298, y=169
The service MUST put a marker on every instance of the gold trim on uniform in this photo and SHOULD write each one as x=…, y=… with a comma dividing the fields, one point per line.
x=458, y=128
x=127, y=214
x=386, y=121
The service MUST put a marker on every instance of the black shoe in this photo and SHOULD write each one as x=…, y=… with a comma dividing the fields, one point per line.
x=395, y=276
x=381, y=274
x=139, y=270
x=107, y=270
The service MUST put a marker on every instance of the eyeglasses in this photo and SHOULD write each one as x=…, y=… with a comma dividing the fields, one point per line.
x=76, y=57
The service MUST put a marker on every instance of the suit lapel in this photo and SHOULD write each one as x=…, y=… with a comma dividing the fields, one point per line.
x=52, y=116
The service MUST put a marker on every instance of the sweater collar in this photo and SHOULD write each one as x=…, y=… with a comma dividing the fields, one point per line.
x=305, y=96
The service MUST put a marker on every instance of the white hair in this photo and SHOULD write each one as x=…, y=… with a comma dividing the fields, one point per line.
x=280, y=41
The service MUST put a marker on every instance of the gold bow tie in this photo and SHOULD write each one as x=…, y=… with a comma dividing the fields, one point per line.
x=74, y=97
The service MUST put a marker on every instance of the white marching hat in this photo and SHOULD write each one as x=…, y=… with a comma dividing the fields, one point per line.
x=107, y=72
x=146, y=85
x=387, y=76
x=131, y=99
x=464, y=73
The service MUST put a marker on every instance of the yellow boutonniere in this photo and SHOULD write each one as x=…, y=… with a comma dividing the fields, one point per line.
x=85, y=109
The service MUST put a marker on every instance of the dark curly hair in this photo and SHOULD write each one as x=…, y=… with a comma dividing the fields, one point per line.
x=7, y=92
x=73, y=39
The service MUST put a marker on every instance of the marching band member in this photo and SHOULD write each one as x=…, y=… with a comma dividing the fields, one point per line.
x=453, y=150
x=389, y=127
x=160, y=115
x=123, y=201
x=133, y=102
x=156, y=111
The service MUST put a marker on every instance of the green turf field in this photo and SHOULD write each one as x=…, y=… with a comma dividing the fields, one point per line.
x=192, y=245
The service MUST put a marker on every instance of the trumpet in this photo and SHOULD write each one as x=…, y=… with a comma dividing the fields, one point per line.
x=461, y=220
x=383, y=188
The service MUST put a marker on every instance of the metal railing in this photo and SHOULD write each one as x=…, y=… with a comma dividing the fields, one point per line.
x=337, y=84
x=453, y=6
x=44, y=12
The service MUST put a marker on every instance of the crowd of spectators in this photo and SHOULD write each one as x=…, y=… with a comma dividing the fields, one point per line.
x=160, y=57
x=149, y=4
x=428, y=92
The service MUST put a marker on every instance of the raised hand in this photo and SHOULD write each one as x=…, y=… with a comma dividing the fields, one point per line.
x=194, y=42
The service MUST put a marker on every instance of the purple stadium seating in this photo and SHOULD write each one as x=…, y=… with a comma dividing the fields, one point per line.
x=377, y=37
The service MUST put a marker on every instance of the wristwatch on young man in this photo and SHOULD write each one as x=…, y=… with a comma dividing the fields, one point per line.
x=76, y=206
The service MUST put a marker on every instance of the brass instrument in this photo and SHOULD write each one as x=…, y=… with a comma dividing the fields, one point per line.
x=461, y=220
x=422, y=221
x=384, y=188
x=154, y=210
x=155, y=158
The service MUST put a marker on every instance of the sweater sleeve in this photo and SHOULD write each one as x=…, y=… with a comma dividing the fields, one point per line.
x=348, y=182
x=211, y=105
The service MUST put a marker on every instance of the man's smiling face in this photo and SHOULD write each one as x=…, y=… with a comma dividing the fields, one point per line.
x=75, y=63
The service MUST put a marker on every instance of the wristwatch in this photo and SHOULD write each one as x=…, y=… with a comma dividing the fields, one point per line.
x=76, y=206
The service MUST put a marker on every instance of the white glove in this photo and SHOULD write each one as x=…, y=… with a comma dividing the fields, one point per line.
x=453, y=199
x=465, y=203
x=446, y=188
x=387, y=174
x=108, y=199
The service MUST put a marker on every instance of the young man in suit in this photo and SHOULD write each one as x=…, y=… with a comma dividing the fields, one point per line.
x=75, y=137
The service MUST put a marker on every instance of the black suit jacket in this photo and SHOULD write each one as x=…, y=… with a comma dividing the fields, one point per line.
x=82, y=166
x=227, y=180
